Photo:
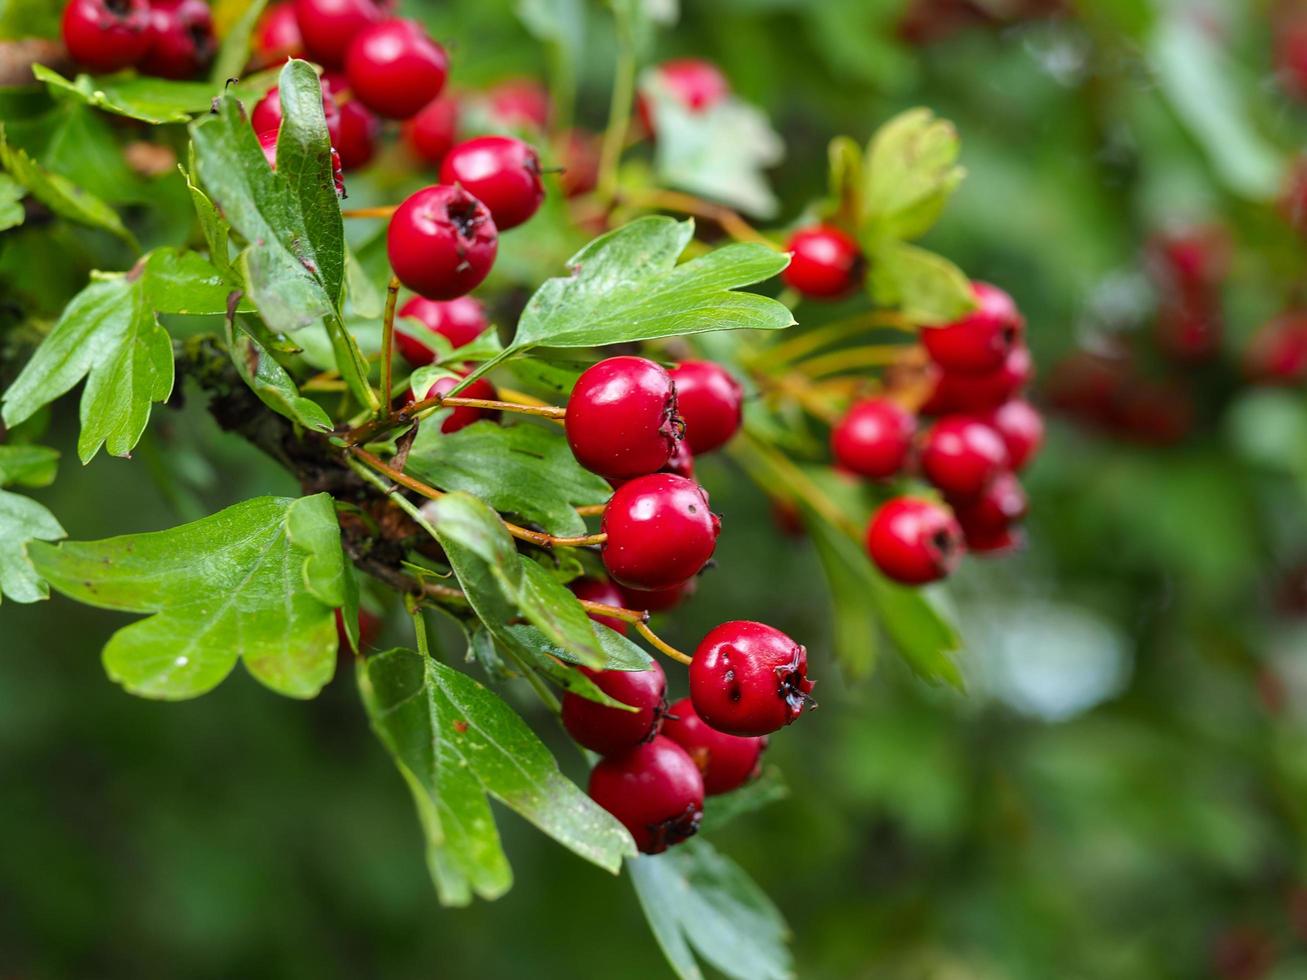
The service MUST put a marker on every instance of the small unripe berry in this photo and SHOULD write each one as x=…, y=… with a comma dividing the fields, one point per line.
x=660, y=531
x=825, y=264
x=501, y=172
x=961, y=454
x=460, y=321
x=105, y=35
x=914, y=541
x=604, y=592
x=329, y=26
x=979, y=342
x=749, y=679
x=610, y=731
x=655, y=791
x=277, y=37
x=874, y=439
x=621, y=418
x=461, y=416
x=431, y=133
x=1021, y=428
x=442, y=242
x=181, y=39
x=395, y=69
x=726, y=761
x=711, y=403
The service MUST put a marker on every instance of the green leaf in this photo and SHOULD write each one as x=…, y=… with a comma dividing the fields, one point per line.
x=186, y=283
x=216, y=230
x=551, y=606
x=455, y=742
x=109, y=335
x=924, y=638
x=11, y=203
x=526, y=470
x=850, y=578
x=626, y=286
x=619, y=652
x=767, y=789
x=928, y=288
x=695, y=898
x=483, y=348
x=27, y=466
x=234, y=54
x=531, y=651
x=259, y=581
x=151, y=100
x=23, y=521
x=272, y=383
x=844, y=158
x=910, y=171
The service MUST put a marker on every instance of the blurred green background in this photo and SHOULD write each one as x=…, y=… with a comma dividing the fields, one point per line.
x=1122, y=793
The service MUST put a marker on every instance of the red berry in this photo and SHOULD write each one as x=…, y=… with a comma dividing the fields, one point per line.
x=726, y=761
x=604, y=592
x=621, y=418
x=268, y=144
x=1000, y=505
x=825, y=264
x=1278, y=351
x=267, y=114
x=992, y=541
x=660, y=531
x=1291, y=55
x=610, y=731
x=655, y=790
x=359, y=126
x=961, y=454
x=874, y=438
x=501, y=172
x=658, y=600
x=460, y=321
x=431, y=133
x=749, y=679
x=980, y=341
x=580, y=162
x=181, y=39
x=519, y=102
x=696, y=84
x=978, y=392
x=442, y=242
x=329, y=26
x=369, y=628
x=710, y=402
x=1190, y=259
x=105, y=35
x=1189, y=327
x=462, y=416
x=278, y=35
x=1021, y=428
x=914, y=541
x=395, y=69
x=681, y=462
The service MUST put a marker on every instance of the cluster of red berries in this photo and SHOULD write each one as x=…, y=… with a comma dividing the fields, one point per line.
x=168, y=38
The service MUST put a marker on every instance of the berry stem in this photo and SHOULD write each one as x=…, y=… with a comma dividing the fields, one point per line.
x=871, y=355
x=591, y=510
x=388, y=343
x=619, y=109
x=542, y=411
x=386, y=211
x=768, y=467
x=661, y=645
x=636, y=619
x=830, y=333
x=730, y=221
x=419, y=626
x=420, y=409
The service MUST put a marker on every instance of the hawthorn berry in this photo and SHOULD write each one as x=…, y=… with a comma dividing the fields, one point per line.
x=277, y=37
x=604, y=592
x=105, y=35
x=442, y=242
x=874, y=438
x=461, y=416
x=710, y=402
x=580, y=162
x=621, y=418
x=460, y=321
x=1000, y=505
x=1277, y=354
x=660, y=531
x=1291, y=54
x=181, y=39
x=431, y=133
x=610, y=731
x=1021, y=428
x=655, y=790
x=503, y=173
x=1191, y=259
x=395, y=69
x=914, y=541
x=961, y=454
x=979, y=392
x=519, y=102
x=658, y=600
x=696, y=84
x=267, y=114
x=749, y=679
x=329, y=26
x=268, y=144
x=825, y=262
x=980, y=341
x=727, y=762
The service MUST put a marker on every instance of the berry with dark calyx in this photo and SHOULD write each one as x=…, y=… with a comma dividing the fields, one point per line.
x=267, y=114
x=961, y=454
x=655, y=790
x=621, y=418
x=460, y=321
x=660, y=531
x=519, y=102
x=442, y=242
x=979, y=392
x=181, y=39
x=106, y=35
x=461, y=416
x=1277, y=354
x=914, y=541
x=278, y=35
x=710, y=402
x=658, y=600
x=980, y=341
x=726, y=761
x=874, y=438
x=432, y=132
x=610, y=731
x=749, y=679
x=329, y=26
x=503, y=173
x=604, y=592
x=826, y=263
x=1021, y=428
x=395, y=69
x=1000, y=505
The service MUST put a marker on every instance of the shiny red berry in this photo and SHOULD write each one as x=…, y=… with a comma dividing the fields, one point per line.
x=501, y=172
x=658, y=600
x=329, y=26
x=660, y=531
x=460, y=321
x=105, y=35
x=359, y=126
x=610, y=731
x=825, y=264
x=442, y=242
x=914, y=541
x=519, y=102
x=278, y=35
x=1277, y=354
x=604, y=592
x=961, y=454
x=980, y=341
x=431, y=133
x=978, y=392
x=874, y=438
x=655, y=790
x=711, y=403
x=267, y=114
x=1000, y=505
x=1021, y=428
x=395, y=69
x=621, y=418
x=696, y=84
x=749, y=679
x=462, y=416
x=181, y=39
x=727, y=762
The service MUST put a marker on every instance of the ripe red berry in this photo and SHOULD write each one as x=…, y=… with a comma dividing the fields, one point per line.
x=978, y=392
x=431, y=133
x=874, y=438
x=696, y=84
x=980, y=341
x=395, y=69
x=914, y=541
x=442, y=242
x=727, y=762
x=278, y=35
x=825, y=264
x=329, y=26
x=1190, y=259
x=267, y=114
x=749, y=679
x=580, y=162
x=610, y=731
x=268, y=144
x=1291, y=54
x=961, y=454
x=462, y=416
x=621, y=418
x=1021, y=428
x=660, y=531
x=519, y=102
x=1000, y=505
x=992, y=541
x=658, y=600
x=105, y=35
x=710, y=402
x=460, y=321
x=181, y=39
x=1277, y=354
x=604, y=592
x=503, y=173
x=655, y=790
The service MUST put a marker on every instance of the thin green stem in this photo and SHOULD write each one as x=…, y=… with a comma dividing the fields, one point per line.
x=388, y=343
x=619, y=110
x=419, y=628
